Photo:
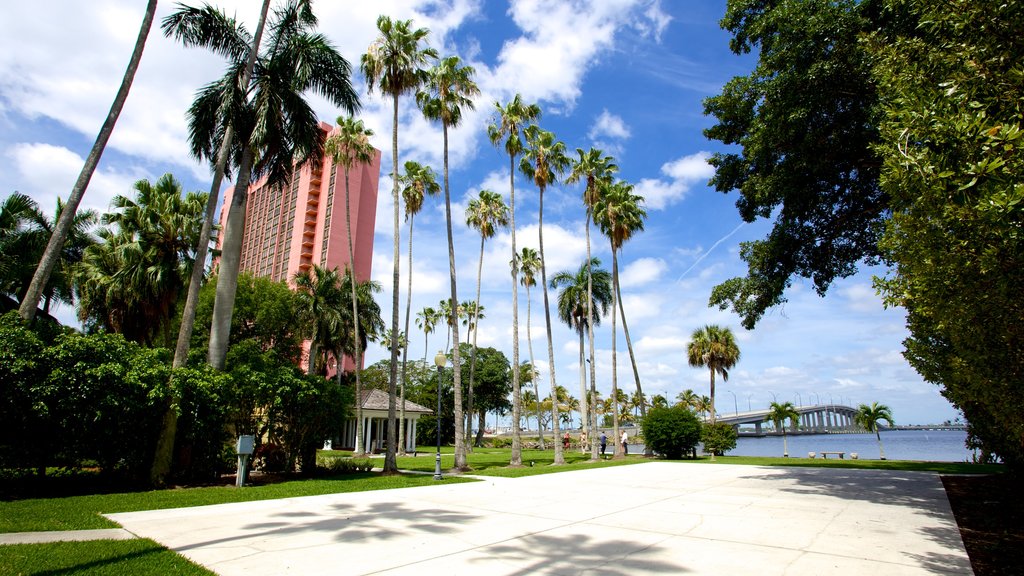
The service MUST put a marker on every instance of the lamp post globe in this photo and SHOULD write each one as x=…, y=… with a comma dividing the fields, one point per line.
x=439, y=361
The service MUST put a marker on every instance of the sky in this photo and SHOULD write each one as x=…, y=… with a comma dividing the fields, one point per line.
x=625, y=76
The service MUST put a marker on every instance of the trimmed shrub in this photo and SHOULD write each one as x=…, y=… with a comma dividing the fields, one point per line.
x=671, y=432
x=718, y=438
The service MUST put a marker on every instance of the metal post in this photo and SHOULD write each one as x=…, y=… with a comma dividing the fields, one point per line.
x=439, y=361
x=735, y=407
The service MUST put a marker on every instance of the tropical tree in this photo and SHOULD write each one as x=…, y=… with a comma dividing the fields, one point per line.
x=132, y=281
x=418, y=181
x=587, y=285
x=595, y=169
x=347, y=145
x=486, y=213
x=426, y=320
x=510, y=121
x=16, y=213
x=449, y=89
x=659, y=401
x=713, y=347
x=54, y=247
x=687, y=398
x=868, y=418
x=371, y=325
x=320, y=302
x=544, y=160
x=620, y=214
x=779, y=413
x=529, y=265
x=395, y=62
x=471, y=313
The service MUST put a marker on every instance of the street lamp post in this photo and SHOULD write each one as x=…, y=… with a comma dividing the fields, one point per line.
x=800, y=399
x=735, y=407
x=749, y=394
x=775, y=399
x=439, y=361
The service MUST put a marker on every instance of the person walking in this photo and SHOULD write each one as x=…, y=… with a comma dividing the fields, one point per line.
x=604, y=443
x=625, y=443
x=583, y=441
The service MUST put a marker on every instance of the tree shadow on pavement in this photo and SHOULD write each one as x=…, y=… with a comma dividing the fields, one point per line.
x=580, y=554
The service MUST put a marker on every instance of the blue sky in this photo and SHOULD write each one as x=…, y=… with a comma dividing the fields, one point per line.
x=627, y=76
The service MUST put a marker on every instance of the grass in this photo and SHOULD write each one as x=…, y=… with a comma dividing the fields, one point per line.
x=99, y=558
x=83, y=512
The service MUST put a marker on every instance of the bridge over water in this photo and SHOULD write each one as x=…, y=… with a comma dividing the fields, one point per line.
x=818, y=419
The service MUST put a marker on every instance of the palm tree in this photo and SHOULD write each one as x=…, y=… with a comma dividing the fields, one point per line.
x=450, y=89
x=595, y=169
x=347, y=145
x=688, y=398
x=713, y=347
x=417, y=183
x=29, y=243
x=396, y=62
x=212, y=29
x=320, y=305
x=426, y=320
x=779, y=413
x=511, y=119
x=529, y=264
x=276, y=129
x=868, y=418
x=589, y=284
x=620, y=214
x=544, y=160
x=52, y=253
x=471, y=313
x=659, y=401
x=486, y=213
x=16, y=216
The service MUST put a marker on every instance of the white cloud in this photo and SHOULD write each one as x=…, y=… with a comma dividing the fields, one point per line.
x=609, y=125
x=642, y=271
x=682, y=173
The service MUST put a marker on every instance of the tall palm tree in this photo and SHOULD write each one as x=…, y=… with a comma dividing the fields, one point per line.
x=449, y=90
x=868, y=418
x=52, y=253
x=713, y=347
x=544, y=161
x=16, y=218
x=619, y=214
x=588, y=285
x=595, y=169
x=418, y=181
x=371, y=325
x=347, y=145
x=396, y=62
x=211, y=29
x=276, y=129
x=318, y=291
x=779, y=413
x=529, y=265
x=426, y=320
x=688, y=398
x=29, y=244
x=486, y=213
x=471, y=313
x=510, y=121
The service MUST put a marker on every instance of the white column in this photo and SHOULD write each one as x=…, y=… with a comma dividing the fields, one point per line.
x=412, y=437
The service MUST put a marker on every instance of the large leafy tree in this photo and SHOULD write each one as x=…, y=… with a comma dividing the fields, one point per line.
x=544, y=161
x=805, y=121
x=347, y=145
x=52, y=253
x=778, y=413
x=951, y=139
x=396, y=63
x=588, y=285
x=487, y=213
x=448, y=91
x=713, y=347
x=529, y=265
x=595, y=169
x=418, y=182
x=507, y=126
x=869, y=417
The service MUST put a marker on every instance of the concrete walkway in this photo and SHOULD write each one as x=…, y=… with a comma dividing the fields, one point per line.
x=652, y=518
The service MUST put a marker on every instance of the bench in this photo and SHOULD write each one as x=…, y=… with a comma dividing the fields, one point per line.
x=825, y=454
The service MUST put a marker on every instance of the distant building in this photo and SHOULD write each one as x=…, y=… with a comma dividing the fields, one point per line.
x=291, y=227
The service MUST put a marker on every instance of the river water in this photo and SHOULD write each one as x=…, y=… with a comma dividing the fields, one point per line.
x=932, y=445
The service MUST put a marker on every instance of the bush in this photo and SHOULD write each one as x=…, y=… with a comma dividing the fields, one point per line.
x=718, y=438
x=348, y=465
x=671, y=432
x=202, y=446
x=270, y=457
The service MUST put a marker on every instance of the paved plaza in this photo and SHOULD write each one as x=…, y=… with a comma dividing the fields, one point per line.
x=651, y=518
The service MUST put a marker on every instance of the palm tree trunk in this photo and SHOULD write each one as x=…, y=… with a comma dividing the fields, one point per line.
x=785, y=445
x=390, y=464
x=476, y=329
x=460, y=440
x=41, y=277
x=230, y=260
x=620, y=450
x=169, y=429
x=632, y=360
x=405, y=349
x=357, y=343
x=517, y=443
x=712, y=408
x=881, y=451
x=559, y=457
x=533, y=365
x=311, y=360
x=590, y=337
x=584, y=400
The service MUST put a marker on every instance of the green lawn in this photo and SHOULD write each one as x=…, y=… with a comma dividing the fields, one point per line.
x=99, y=558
